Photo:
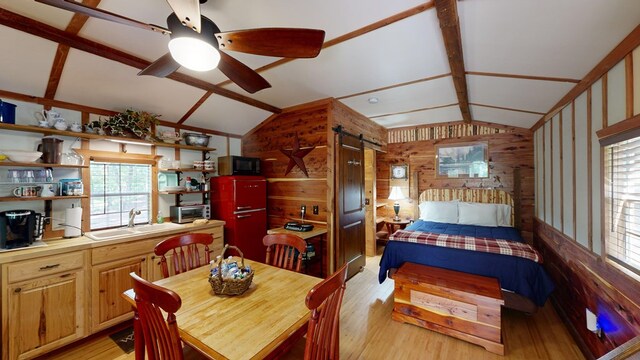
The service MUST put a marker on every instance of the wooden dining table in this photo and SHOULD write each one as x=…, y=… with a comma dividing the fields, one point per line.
x=254, y=325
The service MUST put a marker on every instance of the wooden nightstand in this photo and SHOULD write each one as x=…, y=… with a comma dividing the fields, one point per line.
x=393, y=225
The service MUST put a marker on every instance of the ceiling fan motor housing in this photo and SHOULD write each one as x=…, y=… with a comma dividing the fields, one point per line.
x=207, y=32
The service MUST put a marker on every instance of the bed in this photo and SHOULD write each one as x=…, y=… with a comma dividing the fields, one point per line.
x=525, y=284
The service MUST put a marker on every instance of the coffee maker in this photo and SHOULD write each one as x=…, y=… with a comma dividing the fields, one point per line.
x=19, y=228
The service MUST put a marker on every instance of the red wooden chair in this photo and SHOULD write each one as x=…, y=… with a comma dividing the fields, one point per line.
x=183, y=262
x=160, y=338
x=323, y=332
x=281, y=250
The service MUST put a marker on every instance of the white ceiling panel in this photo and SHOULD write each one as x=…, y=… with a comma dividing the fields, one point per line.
x=95, y=81
x=504, y=117
x=40, y=12
x=361, y=64
x=433, y=116
x=226, y=115
x=23, y=70
x=405, y=98
x=521, y=94
x=543, y=37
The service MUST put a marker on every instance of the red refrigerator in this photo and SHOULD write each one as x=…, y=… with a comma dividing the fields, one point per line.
x=241, y=201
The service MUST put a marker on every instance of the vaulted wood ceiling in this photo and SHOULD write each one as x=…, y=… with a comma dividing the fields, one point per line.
x=500, y=61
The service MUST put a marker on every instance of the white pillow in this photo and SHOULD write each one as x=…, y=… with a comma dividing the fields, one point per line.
x=439, y=211
x=504, y=215
x=477, y=214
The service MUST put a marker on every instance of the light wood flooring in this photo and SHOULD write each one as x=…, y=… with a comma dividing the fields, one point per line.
x=367, y=332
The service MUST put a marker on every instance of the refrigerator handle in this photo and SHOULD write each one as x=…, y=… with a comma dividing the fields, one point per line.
x=242, y=216
x=243, y=207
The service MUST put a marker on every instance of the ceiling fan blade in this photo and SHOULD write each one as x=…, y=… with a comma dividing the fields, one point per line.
x=162, y=67
x=80, y=8
x=241, y=74
x=188, y=11
x=280, y=42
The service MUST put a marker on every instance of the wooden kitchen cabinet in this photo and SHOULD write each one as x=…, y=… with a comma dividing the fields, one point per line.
x=108, y=282
x=44, y=304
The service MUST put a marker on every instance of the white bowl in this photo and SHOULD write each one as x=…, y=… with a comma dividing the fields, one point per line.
x=22, y=156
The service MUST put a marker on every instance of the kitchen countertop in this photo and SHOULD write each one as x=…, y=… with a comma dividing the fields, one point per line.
x=62, y=245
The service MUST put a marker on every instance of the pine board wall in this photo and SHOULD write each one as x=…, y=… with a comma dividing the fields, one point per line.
x=569, y=215
x=510, y=161
x=312, y=124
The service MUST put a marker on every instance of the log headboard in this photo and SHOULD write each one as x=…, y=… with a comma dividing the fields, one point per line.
x=487, y=196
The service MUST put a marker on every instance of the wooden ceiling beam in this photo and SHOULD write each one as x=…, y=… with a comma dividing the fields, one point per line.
x=395, y=86
x=76, y=23
x=48, y=32
x=195, y=107
x=413, y=111
x=508, y=108
x=525, y=77
x=450, y=26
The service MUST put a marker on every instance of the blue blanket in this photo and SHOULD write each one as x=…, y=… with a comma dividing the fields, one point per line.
x=522, y=276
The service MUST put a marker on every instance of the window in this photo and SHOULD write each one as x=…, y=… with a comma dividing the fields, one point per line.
x=116, y=189
x=622, y=202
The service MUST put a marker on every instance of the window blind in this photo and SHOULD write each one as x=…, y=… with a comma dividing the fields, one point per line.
x=116, y=189
x=622, y=202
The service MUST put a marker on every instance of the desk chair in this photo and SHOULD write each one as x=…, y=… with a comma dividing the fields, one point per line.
x=281, y=250
x=160, y=338
x=324, y=300
x=183, y=262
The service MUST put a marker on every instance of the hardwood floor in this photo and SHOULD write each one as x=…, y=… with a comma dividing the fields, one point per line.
x=367, y=332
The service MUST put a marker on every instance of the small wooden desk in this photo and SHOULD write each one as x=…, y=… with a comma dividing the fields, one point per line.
x=308, y=235
x=248, y=326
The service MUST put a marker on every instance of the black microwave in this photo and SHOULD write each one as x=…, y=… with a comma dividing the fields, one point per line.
x=238, y=165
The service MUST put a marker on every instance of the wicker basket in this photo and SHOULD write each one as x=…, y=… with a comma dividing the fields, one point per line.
x=230, y=286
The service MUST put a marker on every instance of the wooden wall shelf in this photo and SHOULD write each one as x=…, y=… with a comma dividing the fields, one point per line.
x=187, y=170
x=38, y=198
x=181, y=192
x=84, y=135
x=8, y=163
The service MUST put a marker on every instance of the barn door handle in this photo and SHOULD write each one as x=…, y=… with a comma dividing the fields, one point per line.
x=353, y=162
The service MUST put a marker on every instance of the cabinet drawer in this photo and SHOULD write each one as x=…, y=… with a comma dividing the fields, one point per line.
x=216, y=232
x=123, y=250
x=30, y=269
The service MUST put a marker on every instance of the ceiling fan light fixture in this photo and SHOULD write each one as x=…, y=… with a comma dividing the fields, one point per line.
x=194, y=53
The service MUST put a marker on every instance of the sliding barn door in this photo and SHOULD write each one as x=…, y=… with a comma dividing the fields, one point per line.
x=350, y=207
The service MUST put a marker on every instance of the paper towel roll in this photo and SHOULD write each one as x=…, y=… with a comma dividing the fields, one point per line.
x=73, y=218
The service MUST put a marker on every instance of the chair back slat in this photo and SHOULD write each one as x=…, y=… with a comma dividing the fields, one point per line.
x=176, y=247
x=324, y=301
x=281, y=250
x=161, y=338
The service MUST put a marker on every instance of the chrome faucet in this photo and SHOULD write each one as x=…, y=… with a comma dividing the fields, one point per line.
x=132, y=215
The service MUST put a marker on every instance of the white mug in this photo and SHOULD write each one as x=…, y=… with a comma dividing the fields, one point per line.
x=48, y=190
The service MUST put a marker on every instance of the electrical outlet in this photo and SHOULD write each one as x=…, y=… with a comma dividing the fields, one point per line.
x=315, y=210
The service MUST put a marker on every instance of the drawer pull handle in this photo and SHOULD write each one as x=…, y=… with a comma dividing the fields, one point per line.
x=49, y=267
x=17, y=290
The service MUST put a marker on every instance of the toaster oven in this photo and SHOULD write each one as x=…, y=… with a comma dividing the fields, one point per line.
x=188, y=213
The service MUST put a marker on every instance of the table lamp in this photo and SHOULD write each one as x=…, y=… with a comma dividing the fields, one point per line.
x=396, y=194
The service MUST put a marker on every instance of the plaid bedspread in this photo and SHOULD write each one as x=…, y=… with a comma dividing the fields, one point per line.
x=497, y=246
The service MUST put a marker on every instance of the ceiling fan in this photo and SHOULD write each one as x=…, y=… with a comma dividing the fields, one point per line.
x=196, y=41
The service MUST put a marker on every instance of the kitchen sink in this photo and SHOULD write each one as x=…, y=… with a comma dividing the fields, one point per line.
x=120, y=233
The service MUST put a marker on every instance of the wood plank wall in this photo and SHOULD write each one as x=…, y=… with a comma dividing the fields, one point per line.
x=510, y=148
x=569, y=224
x=312, y=123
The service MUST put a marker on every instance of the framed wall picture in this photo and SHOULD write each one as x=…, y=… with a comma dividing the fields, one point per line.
x=400, y=172
x=462, y=160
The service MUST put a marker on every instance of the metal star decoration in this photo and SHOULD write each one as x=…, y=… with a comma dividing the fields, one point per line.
x=296, y=156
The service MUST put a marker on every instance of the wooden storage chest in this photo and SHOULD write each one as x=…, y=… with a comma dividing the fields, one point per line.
x=457, y=304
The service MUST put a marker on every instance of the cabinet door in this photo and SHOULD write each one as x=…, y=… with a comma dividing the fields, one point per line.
x=45, y=313
x=108, y=282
